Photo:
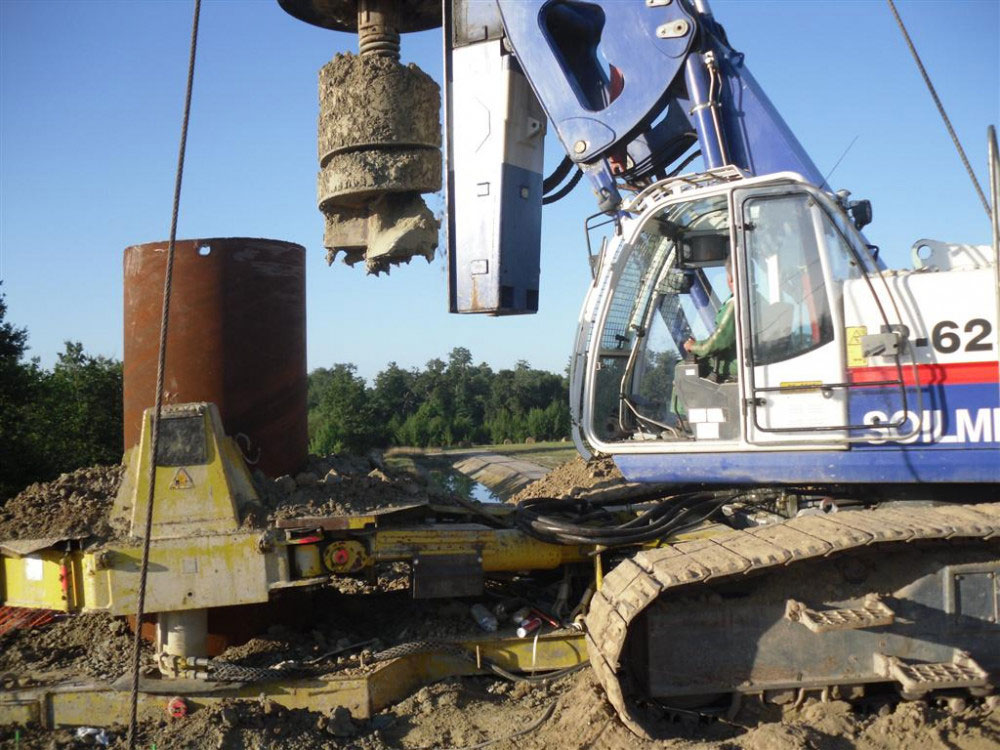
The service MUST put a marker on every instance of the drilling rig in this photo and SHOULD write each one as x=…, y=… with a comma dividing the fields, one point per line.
x=823, y=511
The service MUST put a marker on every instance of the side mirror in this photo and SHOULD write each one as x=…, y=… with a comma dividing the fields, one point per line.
x=861, y=212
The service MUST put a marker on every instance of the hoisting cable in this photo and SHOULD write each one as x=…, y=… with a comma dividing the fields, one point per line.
x=940, y=107
x=158, y=404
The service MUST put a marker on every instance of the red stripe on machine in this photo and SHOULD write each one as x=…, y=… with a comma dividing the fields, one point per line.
x=935, y=374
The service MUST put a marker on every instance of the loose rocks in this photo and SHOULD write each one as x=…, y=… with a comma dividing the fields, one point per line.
x=351, y=485
x=75, y=504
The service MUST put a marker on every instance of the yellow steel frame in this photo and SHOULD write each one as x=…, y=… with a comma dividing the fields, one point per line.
x=46, y=579
x=364, y=694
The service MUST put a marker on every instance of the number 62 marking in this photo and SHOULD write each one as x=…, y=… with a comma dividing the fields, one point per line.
x=945, y=339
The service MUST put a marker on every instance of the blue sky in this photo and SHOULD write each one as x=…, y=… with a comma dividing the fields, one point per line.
x=90, y=105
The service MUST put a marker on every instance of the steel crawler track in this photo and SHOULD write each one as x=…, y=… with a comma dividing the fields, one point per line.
x=638, y=581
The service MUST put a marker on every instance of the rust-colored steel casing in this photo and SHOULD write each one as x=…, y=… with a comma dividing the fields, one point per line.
x=236, y=337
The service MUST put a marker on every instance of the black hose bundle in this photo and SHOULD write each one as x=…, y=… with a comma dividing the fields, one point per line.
x=590, y=521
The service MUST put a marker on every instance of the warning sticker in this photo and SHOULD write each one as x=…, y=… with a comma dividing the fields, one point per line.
x=855, y=355
x=182, y=480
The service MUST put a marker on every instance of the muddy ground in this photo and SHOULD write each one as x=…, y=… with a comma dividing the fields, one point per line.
x=571, y=713
x=459, y=713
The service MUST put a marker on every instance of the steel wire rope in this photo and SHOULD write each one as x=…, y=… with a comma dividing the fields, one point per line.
x=940, y=108
x=158, y=403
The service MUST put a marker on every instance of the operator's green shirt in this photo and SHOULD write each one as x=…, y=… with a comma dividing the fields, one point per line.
x=719, y=349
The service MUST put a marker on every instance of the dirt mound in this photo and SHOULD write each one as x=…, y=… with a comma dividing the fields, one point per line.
x=570, y=713
x=339, y=485
x=463, y=713
x=916, y=726
x=598, y=477
x=257, y=725
x=95, y=644
x=76, y=504
x=573, y=478
x=232, y=725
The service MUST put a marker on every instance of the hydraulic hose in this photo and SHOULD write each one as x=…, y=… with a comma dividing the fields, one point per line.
x=564, y=190
x=575, y=521
x=551, y=182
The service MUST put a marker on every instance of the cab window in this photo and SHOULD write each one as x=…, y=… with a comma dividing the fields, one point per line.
x=789, y=309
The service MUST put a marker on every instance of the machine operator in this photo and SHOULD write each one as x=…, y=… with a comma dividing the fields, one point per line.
x=719, y=349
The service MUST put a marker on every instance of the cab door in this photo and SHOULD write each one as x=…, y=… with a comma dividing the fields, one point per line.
x=793, y=262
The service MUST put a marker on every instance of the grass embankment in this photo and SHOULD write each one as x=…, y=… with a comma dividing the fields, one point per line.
x=550, y=455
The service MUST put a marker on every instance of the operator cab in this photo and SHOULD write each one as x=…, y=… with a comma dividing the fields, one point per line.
x=778, y=377
x=670, y=288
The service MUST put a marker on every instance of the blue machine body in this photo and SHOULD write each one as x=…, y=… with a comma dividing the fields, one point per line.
x=563, y=47
x=631, y=88
x=589, y=65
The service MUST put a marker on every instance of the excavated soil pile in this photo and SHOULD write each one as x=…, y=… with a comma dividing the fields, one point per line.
x=76, y=504
x=339, y=485
x=582, y=713
x=574, y=478
x=579, y=478
x=93, y=645
x=824, y=726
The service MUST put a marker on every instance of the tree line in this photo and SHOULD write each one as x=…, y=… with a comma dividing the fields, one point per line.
x=448, y=403
x=53, y=421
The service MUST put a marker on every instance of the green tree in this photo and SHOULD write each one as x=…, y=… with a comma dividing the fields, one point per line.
x=450, y=401
x=559, y=419
x=469, y=388
x=317, y=382
x=81, y=407
x=52, y=422
x=538, y=424
x=393, y=399
x=20, y=462
x=518, y=403
x=343, y=418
